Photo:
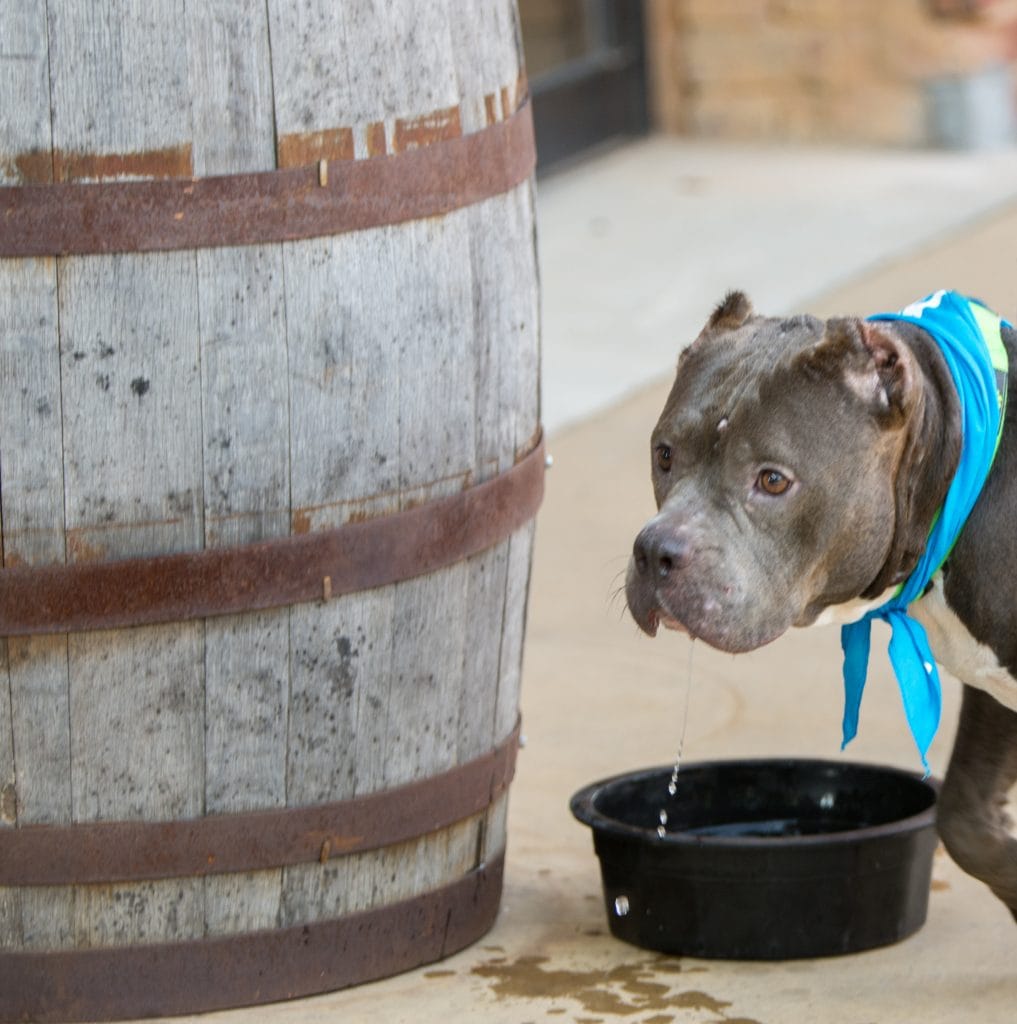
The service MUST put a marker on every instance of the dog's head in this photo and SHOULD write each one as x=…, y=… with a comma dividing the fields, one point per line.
x=787, y=470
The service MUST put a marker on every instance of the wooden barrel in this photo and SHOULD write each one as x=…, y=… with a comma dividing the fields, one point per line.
x=269, y=458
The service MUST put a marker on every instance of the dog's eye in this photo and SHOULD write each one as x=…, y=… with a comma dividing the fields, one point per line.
x=772, y=481
x=662, y=455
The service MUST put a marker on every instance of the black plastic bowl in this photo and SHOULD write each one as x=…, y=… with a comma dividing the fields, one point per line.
x=763, y=860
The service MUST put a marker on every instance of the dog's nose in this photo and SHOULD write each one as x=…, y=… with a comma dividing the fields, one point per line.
x=659, y=552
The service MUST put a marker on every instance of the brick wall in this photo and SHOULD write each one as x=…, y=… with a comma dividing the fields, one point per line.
x=869, y=71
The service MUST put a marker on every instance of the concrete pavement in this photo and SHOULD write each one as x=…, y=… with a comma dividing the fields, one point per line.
x=638, y=245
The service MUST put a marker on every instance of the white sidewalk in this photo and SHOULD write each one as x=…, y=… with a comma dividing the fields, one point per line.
x=638, y=245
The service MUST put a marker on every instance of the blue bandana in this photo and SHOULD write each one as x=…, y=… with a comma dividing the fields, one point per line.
x=969, y=338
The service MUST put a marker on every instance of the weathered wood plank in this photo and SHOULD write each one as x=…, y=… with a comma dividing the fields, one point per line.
x=487, y=46
x=507, y=333
x=129, y=755
x=144, y=912
x=402, y=871
x=515, y=315
x=487, y=55
x=246, y=452
x=488, y=60
x=508, y=310
x=230, y=87
x=505, y=341
x=485, y=601
x=24, y=87
x=132, y=466
x=37, y=779
x=245, y=414
x=245, y=405
x=367, y=345
x=38, y=672
x=137, y=757
x=339, y=730
x=118, y=86
x=247, y=689
x=358, y=64
x=437, y=450
x=10, y=899
x=40, y=700
x=343, y=310
x=132, y=408
x=32, y=495
x=513, y=630
x=343, y=384
x=34, y=732
x=427, y=668
x=123, y=104
x=519, y=320
x=245, y=447
x=495, y=835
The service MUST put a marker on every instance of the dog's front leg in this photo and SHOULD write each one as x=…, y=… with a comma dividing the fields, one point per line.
x=973, y=822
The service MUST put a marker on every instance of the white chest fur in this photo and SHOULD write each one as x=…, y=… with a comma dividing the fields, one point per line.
x=953, y=646
x=958, y=651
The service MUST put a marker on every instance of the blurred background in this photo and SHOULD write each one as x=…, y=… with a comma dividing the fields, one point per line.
x=686, y=147
x=913, y=73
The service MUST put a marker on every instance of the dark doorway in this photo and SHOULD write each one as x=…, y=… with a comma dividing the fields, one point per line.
x=586, y=61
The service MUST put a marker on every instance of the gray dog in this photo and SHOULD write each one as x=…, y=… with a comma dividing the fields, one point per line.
x=800, y=469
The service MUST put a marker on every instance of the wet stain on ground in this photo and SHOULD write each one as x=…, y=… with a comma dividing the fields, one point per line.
x=625, y=990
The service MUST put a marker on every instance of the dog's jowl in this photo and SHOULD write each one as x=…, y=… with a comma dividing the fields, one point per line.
x=814, y=471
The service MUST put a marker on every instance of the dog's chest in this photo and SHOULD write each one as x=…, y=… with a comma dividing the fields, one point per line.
x=958, y=651
x=952, y=645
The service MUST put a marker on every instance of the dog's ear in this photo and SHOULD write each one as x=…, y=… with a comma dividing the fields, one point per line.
x=732, y=312
x=874, y=364
x=891, y=369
